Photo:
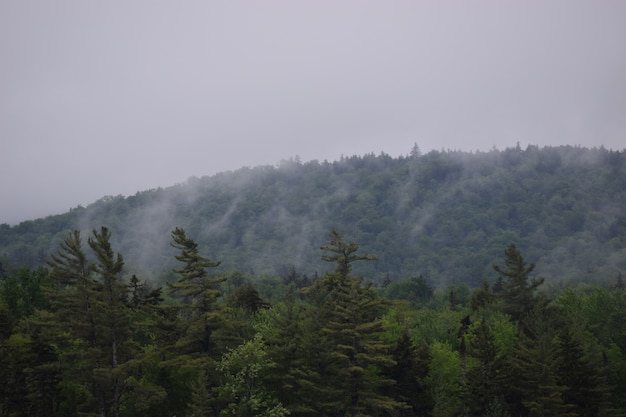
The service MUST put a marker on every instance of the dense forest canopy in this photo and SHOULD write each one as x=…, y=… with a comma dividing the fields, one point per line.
x=444, y=215
x=83, y=337
x=447, y=284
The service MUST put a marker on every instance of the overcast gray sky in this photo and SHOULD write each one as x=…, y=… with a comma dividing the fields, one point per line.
x=113, y=97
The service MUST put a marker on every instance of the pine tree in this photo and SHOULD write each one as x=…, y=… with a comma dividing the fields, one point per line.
x=518, y=291
x=112, y=320
x=72, y=325
x=89, y=323
x=352, y=355
x=200, y=292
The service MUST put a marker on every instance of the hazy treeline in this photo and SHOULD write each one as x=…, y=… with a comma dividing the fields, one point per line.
x=85, y=337
x=442, y=215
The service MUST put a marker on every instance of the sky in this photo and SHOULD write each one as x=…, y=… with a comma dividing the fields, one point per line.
x=114, y=97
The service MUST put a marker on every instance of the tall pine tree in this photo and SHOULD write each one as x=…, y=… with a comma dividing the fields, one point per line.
x=518, y=289
x=352, y=354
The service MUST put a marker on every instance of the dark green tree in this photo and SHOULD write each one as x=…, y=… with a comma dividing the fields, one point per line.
x=200, y=404
x=200, y=292
x=141, y=294
x=484, y=377
x=72, y=326
x=291, y=346
x=533, y=374
x=518, y=290
x=352, y=355
x=24, y=291
x=408, y=375
x=112, y=321
x=247, y=297
x=586, y=389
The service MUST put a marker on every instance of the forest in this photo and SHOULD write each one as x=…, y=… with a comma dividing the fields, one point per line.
x=444, y=215
x=80, y=337
x=444, y=284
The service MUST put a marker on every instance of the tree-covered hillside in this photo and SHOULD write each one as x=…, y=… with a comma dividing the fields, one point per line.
x=442, y=215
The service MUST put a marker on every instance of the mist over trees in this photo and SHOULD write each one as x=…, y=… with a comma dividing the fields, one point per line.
x=84, y=337
x=447, y=284
x=441, y=215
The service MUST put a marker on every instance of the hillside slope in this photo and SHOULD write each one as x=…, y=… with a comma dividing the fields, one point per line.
x=445, y=215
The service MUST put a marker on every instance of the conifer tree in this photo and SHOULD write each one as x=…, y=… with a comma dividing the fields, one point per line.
x=352, y=355
x=484, y=378
x=90, y=323
x=112, y=320
x=72, y=326
x=534, y=371
x=199, y=293
x=408, y=373
x=518, y=290
x=586, y=388
x=200, y=405
x=291, y=347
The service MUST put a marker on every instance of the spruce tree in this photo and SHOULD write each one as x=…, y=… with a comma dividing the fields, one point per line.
x=586, y=388
x=291, y=347
x=484, y=380
x=408, y=375
x=534, y=371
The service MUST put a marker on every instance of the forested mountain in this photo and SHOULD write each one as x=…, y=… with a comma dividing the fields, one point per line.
x=444, y=215
x=195, y=300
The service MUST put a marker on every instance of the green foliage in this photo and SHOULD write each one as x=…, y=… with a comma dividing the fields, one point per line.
x=205, y=318
x=534, y=373
x=444, y=215
x=80, y=340
x=444, y=380
x=415, y=290
x=518, y=291
x=23, y=292
x=245, y=370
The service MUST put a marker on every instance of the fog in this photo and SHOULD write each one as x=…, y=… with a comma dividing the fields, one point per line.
x=108, y=98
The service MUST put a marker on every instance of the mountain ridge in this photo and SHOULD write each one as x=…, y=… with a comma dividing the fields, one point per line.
x=446, y=215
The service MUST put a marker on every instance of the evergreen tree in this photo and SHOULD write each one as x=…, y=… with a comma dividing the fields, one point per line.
x=247, y=297
x=518, y=290
x=89, y=324
x=203, y=317
x=112, y=320
x=534, y=369
x=142, y=295
x=200, y=405
x=291, y=347
x=484, y=378
x=482, y=297
x=586, y=388
x=352, y=355
x=408, y=375
x=72, y=325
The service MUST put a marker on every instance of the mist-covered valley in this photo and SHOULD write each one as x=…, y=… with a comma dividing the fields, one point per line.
x=445, y=215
